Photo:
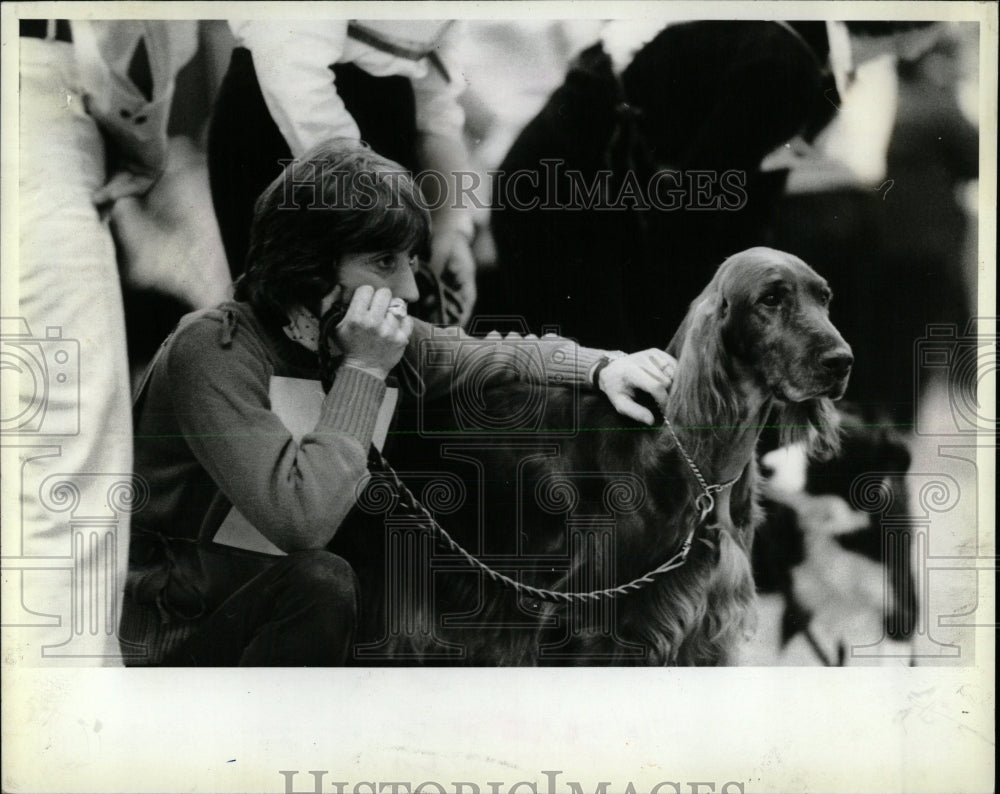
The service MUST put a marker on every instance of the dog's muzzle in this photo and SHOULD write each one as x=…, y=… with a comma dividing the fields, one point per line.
x=837, y=364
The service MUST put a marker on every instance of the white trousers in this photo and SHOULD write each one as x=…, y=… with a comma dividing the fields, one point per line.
x=67, y=446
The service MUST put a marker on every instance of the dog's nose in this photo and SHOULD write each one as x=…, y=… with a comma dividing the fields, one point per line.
x=838, y=362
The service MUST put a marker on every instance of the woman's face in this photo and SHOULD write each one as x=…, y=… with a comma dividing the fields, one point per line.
x=392, y=269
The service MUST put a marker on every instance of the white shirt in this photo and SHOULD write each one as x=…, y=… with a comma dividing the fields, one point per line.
x=851, y=150
x=292, y=61
x=858, y=137
x=136, y=124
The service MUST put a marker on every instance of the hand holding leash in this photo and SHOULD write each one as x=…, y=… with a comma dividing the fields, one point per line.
x=650, y=371
x=375, y=331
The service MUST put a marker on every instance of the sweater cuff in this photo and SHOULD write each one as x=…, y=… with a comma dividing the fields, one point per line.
x=352, y=404
x=572, y=364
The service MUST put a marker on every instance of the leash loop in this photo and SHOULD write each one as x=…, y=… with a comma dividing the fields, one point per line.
x=705, y=503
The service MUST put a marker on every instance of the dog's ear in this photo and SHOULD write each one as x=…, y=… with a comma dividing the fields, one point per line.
x=702, y=391
x=708, y=302
x=815, y=422
x=681, y=334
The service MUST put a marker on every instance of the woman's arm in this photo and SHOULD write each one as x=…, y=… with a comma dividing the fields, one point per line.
x=448, y=359
x=296, y=495
x=442, y=150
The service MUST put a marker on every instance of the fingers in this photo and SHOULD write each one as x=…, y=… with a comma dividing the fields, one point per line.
x=458, y=269
x=406, y=327
x=468, y=295
x=660, y=367
x=331, y=300
x=380, y=303
x=461, y=263
x=661, y=358
x=104, y=195
x=655, y=374
x=649, y=371
x=121, y=185
x=657, y=386
x=372, y=335
x=439, y=254
x=361, y=302
x=376, y=309
x=660, y=361
x=626, y=406
x=451, y=252
x=391, y=327
x=373, y=304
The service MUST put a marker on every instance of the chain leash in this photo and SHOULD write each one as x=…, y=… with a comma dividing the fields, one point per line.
x=705, y=501
x=413, y=505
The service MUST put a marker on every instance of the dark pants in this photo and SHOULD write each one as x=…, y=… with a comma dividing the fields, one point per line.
x=301, y=611
x=245, y=147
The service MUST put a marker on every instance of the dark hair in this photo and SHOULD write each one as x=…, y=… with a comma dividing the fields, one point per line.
x=340, y=197
x=879, y=29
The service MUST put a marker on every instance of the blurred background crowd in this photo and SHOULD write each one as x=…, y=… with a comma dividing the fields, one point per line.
x=855, y=147
x=879, y=199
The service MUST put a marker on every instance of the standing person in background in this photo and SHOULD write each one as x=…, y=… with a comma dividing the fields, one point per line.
x=661, y=149
x=393, y=84
x=94, y=100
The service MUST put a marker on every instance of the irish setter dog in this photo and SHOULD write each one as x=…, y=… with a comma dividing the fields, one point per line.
x=604, y=505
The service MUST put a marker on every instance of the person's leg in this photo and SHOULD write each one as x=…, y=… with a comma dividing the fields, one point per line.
x=302, y=611
x=68, y=450
x=245, y=148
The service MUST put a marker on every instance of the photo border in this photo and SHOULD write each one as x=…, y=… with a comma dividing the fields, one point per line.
x=923, y=729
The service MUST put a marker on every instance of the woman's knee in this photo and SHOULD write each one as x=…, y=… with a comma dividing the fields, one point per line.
x=324, y=575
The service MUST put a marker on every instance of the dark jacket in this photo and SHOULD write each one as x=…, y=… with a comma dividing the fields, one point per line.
x=703, y=96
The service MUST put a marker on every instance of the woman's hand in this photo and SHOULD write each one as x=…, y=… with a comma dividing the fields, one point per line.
x=452, y=260
x=375, y=331
x=651, y=371
x=123, y=184
x=452, y=226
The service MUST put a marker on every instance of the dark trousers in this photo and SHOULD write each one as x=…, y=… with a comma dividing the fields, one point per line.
x=301, y=611
x=245, y=147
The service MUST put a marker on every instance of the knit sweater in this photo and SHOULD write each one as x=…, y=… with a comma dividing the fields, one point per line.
x=207, y=440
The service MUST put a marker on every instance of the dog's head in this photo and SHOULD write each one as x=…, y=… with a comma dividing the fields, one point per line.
x=763, y=324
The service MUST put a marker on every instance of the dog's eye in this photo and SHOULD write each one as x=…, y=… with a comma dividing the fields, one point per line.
x=771, y=299
x=825, y=298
